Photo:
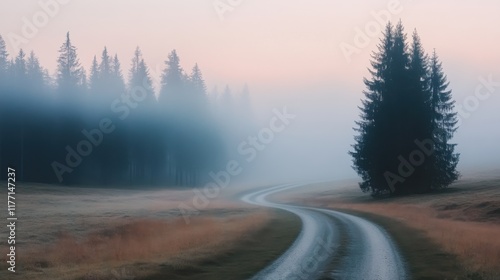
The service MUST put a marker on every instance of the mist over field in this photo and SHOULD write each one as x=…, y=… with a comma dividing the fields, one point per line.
x=182, y=139
x=315, y=68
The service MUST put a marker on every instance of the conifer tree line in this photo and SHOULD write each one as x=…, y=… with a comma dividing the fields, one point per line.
x=105, y=127
x=403, y=142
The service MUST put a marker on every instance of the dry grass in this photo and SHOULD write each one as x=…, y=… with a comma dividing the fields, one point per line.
x=145, y=239
x=139, y=240
x=92, y=233
x=464, y=220
x=476, y=244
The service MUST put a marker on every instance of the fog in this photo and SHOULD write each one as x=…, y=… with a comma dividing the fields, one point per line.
x=315, y=145
x=292, y=56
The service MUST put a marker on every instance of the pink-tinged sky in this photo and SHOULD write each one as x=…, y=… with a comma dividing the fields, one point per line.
x=289, y=52
x=265, y=42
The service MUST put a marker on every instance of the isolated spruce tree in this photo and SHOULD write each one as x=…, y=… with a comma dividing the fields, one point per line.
x=398, y=149
x=369, y=149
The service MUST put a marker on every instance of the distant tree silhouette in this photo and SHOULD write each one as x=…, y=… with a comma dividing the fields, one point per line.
x=245, y=107
x=226, y=109
x=190, y=135
x=44, y=120
x=70, y=74
x=19, y=67
x=37, y=76
x=173, y=85
x=70, y=86
x=94, y=76
x=400, y=148
x=198, y=90
x=4, y=99
x=105, y=66
x=117, y=76
x=4, y=58
x=227, y=100
x=140, y=131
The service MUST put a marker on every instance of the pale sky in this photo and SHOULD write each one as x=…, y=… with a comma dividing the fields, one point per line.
x=288, y=51
x=261, y=41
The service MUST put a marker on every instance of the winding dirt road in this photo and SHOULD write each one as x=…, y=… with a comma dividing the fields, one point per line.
x=331, y=245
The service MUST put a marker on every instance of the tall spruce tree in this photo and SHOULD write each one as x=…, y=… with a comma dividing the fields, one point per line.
x=36, y=133
x=69, y=119
x=399, y=119
x=141, y=154
x=70, y=74
x=419, y=121
x=444, y=125
x=368, y=150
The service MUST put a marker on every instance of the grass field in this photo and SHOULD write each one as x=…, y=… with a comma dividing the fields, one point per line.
x=446, y=235
x=92, y=233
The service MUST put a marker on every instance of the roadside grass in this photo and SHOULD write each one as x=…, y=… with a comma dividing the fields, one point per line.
x=453, y=234
x=232, y=247
x=474, y=244
x=129, y=241
x=106, y=234
x=425, y=259
x=245, y=258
